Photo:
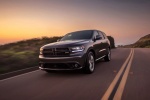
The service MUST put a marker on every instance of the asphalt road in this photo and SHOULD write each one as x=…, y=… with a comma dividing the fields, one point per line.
x=132, y=82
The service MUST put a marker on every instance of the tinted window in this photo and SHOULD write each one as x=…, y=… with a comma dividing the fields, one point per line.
x=104, y=35
x=95, y=33
x=78, y=35
x=101, y=34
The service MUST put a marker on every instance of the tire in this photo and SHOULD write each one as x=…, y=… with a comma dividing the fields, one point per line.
x=90, y=63
x=108, y=56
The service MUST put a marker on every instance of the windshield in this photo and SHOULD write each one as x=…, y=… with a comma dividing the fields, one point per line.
x=78, y=35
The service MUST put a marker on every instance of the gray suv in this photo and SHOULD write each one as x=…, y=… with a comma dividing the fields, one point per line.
x=76, y=50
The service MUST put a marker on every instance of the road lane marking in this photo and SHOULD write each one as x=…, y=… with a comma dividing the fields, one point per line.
x=17, y=71
x=120, y=89
x=114, y=82
x=18, y=76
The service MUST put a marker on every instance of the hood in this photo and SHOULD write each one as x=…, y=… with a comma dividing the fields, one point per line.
x=68, y=43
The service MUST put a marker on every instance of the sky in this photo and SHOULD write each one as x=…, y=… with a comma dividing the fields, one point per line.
x=125, y=20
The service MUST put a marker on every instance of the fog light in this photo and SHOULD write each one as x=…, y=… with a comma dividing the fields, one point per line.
x=41, y=65
x=76, y=65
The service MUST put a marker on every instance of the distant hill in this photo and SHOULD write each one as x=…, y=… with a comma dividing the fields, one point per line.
x=143, y=42
x=24, y=54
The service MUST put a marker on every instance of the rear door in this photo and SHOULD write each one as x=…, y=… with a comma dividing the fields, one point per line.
x=105, y=43
x=102, y=49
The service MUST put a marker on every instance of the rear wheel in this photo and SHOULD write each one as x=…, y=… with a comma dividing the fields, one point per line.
x=108, y=56
x=90, y=63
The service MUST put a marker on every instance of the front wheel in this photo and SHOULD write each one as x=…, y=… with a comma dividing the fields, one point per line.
x=90, y=63
x=108, y=56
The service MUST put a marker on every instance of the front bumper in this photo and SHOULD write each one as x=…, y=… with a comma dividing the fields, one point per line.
x=61, y=63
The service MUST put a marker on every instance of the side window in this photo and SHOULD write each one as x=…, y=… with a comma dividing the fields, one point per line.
x=104, y=35
x=101, y=34
x=95, y=33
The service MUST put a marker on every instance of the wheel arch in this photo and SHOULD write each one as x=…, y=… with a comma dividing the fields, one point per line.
x=91, y=50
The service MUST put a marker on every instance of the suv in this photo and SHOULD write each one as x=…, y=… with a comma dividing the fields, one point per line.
x=76, y=50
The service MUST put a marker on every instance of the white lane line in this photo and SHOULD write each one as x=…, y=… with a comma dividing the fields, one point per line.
x=112, y=85
x=17, y=71
x=18, y=75
x=120, y=89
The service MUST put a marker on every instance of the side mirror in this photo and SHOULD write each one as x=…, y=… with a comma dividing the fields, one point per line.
x=98, y=37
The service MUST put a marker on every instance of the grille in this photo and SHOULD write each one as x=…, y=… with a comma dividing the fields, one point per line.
x=56, y=52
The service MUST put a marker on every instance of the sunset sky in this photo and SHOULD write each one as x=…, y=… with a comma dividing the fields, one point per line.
x=125, y=20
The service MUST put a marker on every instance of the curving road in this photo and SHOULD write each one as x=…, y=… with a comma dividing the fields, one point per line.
x=126, y=77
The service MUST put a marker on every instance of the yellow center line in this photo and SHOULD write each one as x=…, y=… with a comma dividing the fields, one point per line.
x=120, y=89
x=114, y=82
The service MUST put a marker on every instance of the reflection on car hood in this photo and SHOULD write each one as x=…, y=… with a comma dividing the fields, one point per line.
x=66, y=43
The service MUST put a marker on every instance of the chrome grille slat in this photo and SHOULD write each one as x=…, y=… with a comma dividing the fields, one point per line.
x=56, y=52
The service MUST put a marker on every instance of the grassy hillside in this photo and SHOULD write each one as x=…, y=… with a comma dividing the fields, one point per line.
x=143, y=42
x=22, y=54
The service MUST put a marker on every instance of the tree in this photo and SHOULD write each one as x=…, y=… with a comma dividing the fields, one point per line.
x=112, y=42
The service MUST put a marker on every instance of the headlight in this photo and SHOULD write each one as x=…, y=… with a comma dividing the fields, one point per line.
x=77, y=49
x=41, y=51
